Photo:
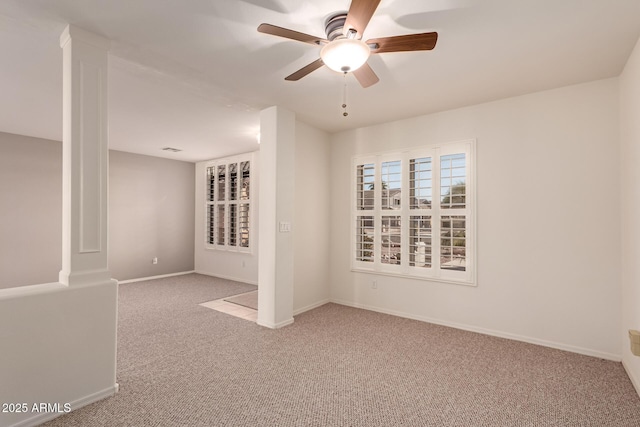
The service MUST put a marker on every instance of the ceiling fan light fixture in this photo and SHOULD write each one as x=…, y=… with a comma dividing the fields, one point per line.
x=345, y=55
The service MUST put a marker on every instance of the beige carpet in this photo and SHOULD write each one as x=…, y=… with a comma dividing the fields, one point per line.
x=250, y=300
x=180, y=364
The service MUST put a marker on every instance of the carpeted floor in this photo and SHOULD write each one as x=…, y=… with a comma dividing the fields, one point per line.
x=180, y=364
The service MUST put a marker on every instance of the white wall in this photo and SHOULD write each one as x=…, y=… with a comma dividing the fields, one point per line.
x=58, y=346
x=630, y=186
x=547, y=219
x=310, y=226
x=277, y=209
x=239, y=266
x=312, y=218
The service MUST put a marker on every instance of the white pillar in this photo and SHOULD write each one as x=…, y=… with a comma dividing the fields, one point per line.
x=275, y=264
x=85, y=158
x=58, y=341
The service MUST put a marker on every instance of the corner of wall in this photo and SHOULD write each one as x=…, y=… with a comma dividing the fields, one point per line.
x=629, y=86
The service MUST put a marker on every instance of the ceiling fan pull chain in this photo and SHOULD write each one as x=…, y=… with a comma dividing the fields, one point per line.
x=344, y=96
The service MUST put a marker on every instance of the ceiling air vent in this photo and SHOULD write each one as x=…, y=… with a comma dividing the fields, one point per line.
x=173, y=150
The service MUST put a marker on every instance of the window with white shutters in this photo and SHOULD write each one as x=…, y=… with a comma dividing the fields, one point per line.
x=228, y=204
x=413, y=213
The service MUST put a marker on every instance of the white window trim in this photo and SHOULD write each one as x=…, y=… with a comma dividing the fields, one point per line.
x=226, y=161
x=467, y=277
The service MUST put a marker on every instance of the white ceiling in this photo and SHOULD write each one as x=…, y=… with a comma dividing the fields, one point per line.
x=194, y=74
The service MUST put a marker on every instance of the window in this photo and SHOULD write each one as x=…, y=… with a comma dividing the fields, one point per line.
x=228, y=204
x=413, y=213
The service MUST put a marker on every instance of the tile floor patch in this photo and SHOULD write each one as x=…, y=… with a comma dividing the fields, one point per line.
x=232, y=309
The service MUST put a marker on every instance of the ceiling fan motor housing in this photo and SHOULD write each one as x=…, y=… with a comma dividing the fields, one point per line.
x=334, y=25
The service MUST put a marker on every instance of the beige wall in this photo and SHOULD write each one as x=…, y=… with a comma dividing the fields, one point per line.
x=30, y=210
x=151, y=213
x=630, y=186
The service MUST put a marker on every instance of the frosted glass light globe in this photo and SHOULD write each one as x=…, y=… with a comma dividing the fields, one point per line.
x=345, y=55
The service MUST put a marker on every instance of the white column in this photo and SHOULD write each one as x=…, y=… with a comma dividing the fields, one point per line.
x=85, y=158
x=275, y=264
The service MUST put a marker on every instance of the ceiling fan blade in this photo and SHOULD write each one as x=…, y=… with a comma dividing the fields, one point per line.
x=359, y=15
x=290, y=34
x=366, y=76
x=305, y=70
x=423, y=41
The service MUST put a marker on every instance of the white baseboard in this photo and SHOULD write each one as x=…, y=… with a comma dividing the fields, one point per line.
x=295, y=313
x=220, y=276
x=275, y=325
x=76, y=404
x=311, y=307
x=499, y=334
x=161, y=276
x=634, y=380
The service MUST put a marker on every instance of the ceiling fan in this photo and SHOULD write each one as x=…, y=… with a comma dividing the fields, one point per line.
x=343, y=50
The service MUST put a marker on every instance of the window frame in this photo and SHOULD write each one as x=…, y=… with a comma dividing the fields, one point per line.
x=405, y=213
x=218, y=204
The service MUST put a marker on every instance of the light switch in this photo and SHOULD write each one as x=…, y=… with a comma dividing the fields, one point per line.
x=285, y=227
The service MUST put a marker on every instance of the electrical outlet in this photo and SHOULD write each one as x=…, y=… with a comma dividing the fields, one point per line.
x=374, y=284
x=154, y=260
x=284, y=227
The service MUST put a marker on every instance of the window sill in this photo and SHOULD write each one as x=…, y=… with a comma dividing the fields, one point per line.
x=247, y=251
x=415, y=277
